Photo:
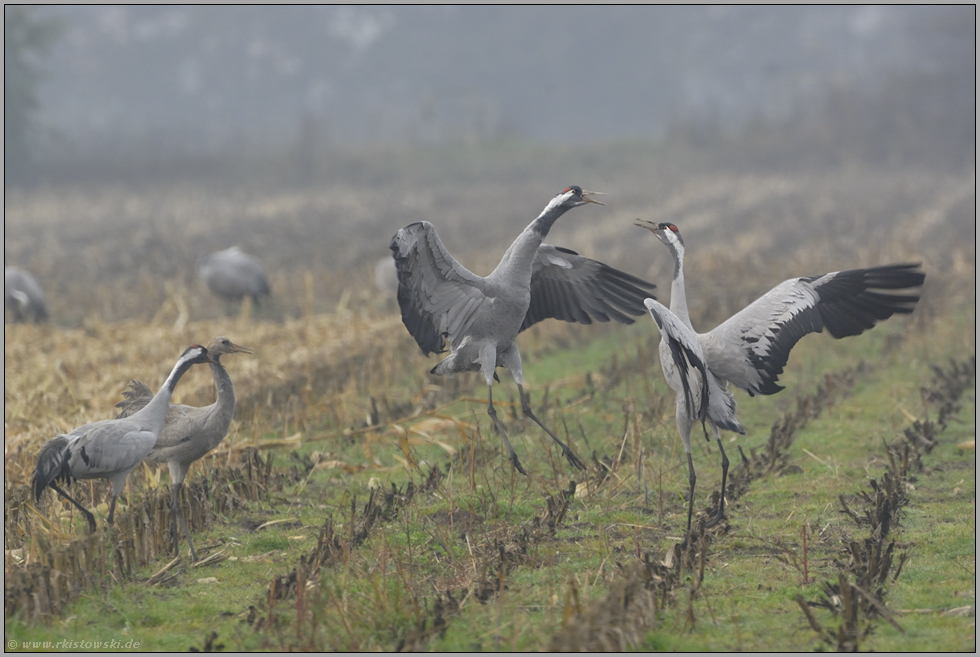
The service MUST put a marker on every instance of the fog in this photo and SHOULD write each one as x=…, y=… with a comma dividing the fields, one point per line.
x=145, y=84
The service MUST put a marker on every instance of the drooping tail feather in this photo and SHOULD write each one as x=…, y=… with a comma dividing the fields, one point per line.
x=52, y=465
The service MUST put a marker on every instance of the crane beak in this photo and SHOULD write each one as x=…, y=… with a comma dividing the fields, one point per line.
x=646, y=223
x=239, y=349
x=586, y=197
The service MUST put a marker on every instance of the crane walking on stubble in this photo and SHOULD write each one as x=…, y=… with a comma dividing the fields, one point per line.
x=109, y=449
x=481, y=316
x=751, y=348
x=23, y=296
x=189, y=432
x=233, y=274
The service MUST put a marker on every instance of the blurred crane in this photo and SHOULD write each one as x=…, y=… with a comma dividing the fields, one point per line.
x=189, y=432
x=481, y=317
x=23, y=297
x=751, y=348
x=109, y=449
x=233, y=274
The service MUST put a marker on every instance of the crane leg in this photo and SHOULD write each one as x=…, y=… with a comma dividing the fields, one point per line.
x=565, y=449
x=179, y=517
x=85, y=512
x=692, y=478
x=112, y=511
x=492, y=412
x=724, y=482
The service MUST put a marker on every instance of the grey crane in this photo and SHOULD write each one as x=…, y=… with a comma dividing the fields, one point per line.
x=23, y=297
x=481, y=316
x=751, y=348
x=233, y=274
x=109, y=449
x=189, y=432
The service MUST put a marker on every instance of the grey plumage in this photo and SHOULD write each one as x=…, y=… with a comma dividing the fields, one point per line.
x=189, y=432
x=23, y=296
x=480, y=317
x=751, y=348
x=109, y=449
x=233, y=274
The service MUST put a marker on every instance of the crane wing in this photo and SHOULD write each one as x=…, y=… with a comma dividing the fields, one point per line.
x=438, y=297
x=108, y=446
x=182, y=424
x=686, y=355
x=139, y=395
x=573, y=288
x=135, y=398
x=751, y=348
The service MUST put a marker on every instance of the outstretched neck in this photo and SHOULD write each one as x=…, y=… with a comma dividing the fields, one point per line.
x=678, y=298
x=520, y=256
x=542, y=225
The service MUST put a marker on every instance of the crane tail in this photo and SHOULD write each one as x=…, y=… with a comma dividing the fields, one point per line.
x=52, y=465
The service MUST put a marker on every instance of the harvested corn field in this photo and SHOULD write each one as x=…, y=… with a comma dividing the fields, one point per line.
x=358, y=503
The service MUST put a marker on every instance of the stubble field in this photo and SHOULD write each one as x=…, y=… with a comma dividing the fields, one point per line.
x=358, y=503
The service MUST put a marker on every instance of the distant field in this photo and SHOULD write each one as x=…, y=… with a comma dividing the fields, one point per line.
x=125, y=252
x=476, y=557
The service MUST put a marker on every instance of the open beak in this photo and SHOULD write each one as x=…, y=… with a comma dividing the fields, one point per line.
x=646, y=223
x=586, y=197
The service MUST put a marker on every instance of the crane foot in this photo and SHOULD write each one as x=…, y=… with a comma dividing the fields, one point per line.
x=517, y=463
x=574, y=460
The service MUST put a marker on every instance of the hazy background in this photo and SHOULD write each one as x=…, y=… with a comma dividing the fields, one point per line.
x=788, y=140
x=118, y=87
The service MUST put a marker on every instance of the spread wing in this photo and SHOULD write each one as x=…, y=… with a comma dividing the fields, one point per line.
x=573, y=288
x=751, y=348
x=438, y=297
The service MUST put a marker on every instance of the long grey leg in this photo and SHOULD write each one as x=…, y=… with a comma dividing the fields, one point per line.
x=692, y=478
x=88, y=515
x=511, y=359
x=724, y=480
x=112, y=509
x=179, y=517
x=500, y=427
x=488, y=363
x=684, y=423
x=565, y=449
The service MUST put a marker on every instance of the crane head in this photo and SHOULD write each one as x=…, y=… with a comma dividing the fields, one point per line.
x=196, y=354
x=575, y=196
x=666, y=232
x=222, y=345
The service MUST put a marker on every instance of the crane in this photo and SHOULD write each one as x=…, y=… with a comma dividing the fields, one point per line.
x=23, y=297
x=751, y=348
x=109, y=449
x=189, y=432
x=233, y=274
x=481, y=316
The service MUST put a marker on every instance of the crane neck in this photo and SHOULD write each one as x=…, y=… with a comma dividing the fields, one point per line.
x=543, y=223
x=519, y=257
x=678, y=297
x=225, y=404
x=155, y=411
